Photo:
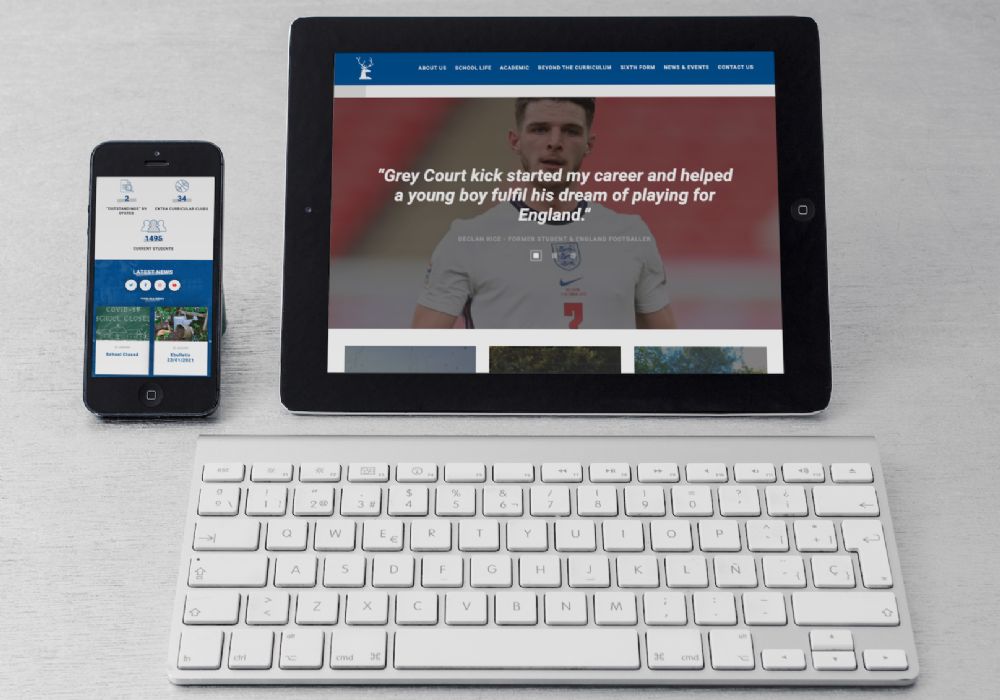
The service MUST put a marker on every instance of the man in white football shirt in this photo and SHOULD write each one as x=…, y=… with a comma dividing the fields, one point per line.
x=499, y=270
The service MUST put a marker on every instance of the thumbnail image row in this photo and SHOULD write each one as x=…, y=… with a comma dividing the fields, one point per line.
x=556, y=360
x=176, y=323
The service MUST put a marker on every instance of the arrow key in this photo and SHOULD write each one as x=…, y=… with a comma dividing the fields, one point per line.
x=783, y=659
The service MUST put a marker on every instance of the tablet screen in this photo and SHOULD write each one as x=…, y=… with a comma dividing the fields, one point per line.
x=554, y=213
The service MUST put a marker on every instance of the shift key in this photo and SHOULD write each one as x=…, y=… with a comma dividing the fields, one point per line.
x=845, y=609
x=228, y=570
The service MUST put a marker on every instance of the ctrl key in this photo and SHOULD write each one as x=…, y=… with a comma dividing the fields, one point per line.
x=200, y=650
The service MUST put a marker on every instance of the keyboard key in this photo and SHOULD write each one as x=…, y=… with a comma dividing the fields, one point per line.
x=408, y=500
x=212, y=608
x=335, y=535
x=490, y=571
x=465, y=472
x=735, y=572
x=479, y=536
x=382, y=536
x=832, y=571
x=767, y=536
x=549, y=500
x=368, y=472
x=576, y=536
x=831, y=640
x=674, y=649
x=815, y=536
x=430, y=535
x=222, y=471
x=515, y=608
x=622, y=536
x=706, y=472
x=610, y=472
x=638, y=571
x=271, y=471
x=222, y=535
x=885, y=660
x=786, y=501
x=367, y=608
x=686, y=571
x=691, y=500
x=268, y=608
x=664, y=609
x=287, y=535
x=754, y=472
x=319, y=472
x=867, y=538
x=565, y=609
x=442, y=570
x=513, y=472
x=361, y=500
x=719, y=535
x=783, y=659
x=845, y=609
x=670, y=536
x=267, y=500
x=301, y=649
x=615, y=609
x=540, y=571
x=514, y=648
x=317, y=608
x=416, y=472
x=845, y=500
x=465, y=608
x=200, y=650
x=227, y=571
x=851, y=473
x=739, y=500
x=251, y=649
x=589, y=571
x=802, y=472
x=658, y=472
x=455, y=500
x=784, y=572
x=764, y=609
x=596, y=501
x=219, y=500
x=416, y=608
x=527, y=536
x=562, y=472
x=344, y=571
x=392, y=571
x=731, y=650
x=504, y=501
x=715, y=608
x=645, y=501
x=834, y=660
x=313, y=500
x=357, y=648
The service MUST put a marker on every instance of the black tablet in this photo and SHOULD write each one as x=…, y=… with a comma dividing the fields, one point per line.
x=555, y=215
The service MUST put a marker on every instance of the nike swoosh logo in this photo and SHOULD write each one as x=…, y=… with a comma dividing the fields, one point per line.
x=566, y=283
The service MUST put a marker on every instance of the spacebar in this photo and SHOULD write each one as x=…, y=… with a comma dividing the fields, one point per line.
x=517, y=648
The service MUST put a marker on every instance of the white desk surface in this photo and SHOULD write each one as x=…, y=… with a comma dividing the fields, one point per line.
x=91, y=513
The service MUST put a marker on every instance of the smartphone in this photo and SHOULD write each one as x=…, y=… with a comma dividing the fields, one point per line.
x=154, y=279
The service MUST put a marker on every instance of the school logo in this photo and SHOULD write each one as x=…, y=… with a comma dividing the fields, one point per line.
x=366, y=67
x=566, y=255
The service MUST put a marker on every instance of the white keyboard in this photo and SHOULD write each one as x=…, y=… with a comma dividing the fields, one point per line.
x=539, y=560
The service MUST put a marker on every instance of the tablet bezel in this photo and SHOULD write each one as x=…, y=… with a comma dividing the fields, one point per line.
x=307, y=386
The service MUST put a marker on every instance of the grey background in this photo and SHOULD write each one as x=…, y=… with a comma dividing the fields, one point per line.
x=91, y=513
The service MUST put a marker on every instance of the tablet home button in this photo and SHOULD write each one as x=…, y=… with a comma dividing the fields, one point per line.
x=803, y=210
x=151, y=395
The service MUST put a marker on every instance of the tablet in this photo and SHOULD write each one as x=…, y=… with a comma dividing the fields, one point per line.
x=555, y=215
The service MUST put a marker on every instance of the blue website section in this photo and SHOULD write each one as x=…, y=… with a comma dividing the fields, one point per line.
x=557, y=68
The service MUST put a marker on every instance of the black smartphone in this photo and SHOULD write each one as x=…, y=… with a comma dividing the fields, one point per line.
x=154, y=279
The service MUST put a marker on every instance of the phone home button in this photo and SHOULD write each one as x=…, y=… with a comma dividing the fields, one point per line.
x=151, y=395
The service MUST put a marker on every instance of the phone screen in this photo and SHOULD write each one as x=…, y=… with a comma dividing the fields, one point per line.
x=152, y=276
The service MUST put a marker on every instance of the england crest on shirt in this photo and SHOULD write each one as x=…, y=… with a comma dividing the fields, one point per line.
x=566, y=255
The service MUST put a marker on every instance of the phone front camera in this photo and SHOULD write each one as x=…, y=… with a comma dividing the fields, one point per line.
x=156, y=153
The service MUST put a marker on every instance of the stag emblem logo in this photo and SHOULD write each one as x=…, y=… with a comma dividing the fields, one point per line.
x=366, y=65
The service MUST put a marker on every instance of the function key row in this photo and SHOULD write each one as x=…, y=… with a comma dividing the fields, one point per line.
x=551, y=472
